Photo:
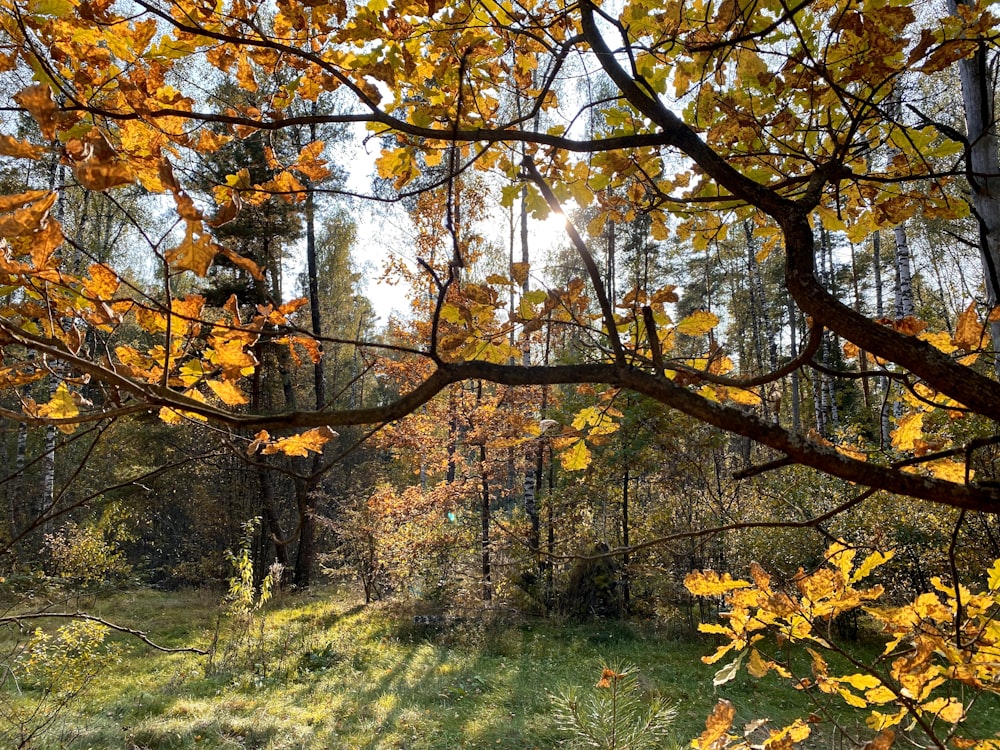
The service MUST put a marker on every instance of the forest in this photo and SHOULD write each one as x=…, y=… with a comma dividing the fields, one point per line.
x=495, y=321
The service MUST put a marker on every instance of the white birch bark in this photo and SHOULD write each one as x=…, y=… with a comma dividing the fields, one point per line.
x=983, y=167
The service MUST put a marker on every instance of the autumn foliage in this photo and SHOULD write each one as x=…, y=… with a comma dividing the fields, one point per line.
x=729, y=177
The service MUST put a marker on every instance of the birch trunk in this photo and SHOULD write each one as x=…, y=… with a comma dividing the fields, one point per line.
x=904, y=273
x=983, y=166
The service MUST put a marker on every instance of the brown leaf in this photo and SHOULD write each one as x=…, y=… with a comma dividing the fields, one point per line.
x=519, y=272
x=95, y=164
x=30, y=211
x=100, y=177
x=882, y=741
x=226, y=213
x=10, y=146
x=37, y=99
x=194, y=253
x=717, y=725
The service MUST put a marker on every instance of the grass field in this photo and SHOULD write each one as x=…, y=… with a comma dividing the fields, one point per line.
x=326, y=672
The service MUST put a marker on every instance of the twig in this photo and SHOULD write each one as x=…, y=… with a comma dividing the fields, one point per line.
x=101, y=621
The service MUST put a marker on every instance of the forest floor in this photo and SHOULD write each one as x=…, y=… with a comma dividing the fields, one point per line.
x=321, y=670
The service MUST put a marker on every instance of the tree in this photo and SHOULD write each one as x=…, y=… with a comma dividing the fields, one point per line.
x=778, y=109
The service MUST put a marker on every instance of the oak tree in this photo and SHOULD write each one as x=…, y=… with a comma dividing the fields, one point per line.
x=721, y=119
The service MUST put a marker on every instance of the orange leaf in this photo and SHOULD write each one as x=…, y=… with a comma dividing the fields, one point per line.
x=95, y=164
x=103, y=282
x=883, y=740
x=717, y=725
x=37, y=99
x=209, y=141
x=10, y=146
x=301, y=445
x=910, y=429
x=194, y=253
x=969, y=332
x=27, y=212
x=310, y=165
x=99, y=177
x=241, y=262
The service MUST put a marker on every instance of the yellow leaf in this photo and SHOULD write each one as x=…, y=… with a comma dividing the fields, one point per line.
x=710, y=583
x=576, y=457
x=301, y=445
x=227, y=392
x=842, y=556
x=908, y=431
x=948, y=470
x=851, y=699
x=880, y=695
x=697, y=323
x=174, y=416
x=861, y=681
x=232, y=357
x=871, y=562
x=946, y=709
x=993, y=579
x=741, y=396
x=757, y=666
x=61, y=406
x=939, y=340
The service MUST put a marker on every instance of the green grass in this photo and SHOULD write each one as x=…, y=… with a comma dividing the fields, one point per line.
x=330, y=673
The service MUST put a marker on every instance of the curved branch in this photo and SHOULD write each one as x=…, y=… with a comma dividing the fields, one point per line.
x=811, y=347
x=965, y=385
x=138, y=634
x=607, y=312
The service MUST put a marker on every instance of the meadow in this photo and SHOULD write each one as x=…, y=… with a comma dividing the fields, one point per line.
x=322, y=670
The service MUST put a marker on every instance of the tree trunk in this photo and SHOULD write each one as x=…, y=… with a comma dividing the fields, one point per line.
x=793, y=325
x=904, y=274
x=626, y=582
x=983, y=167
x=307, y=533
x=303, y=488
x=484, y=517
